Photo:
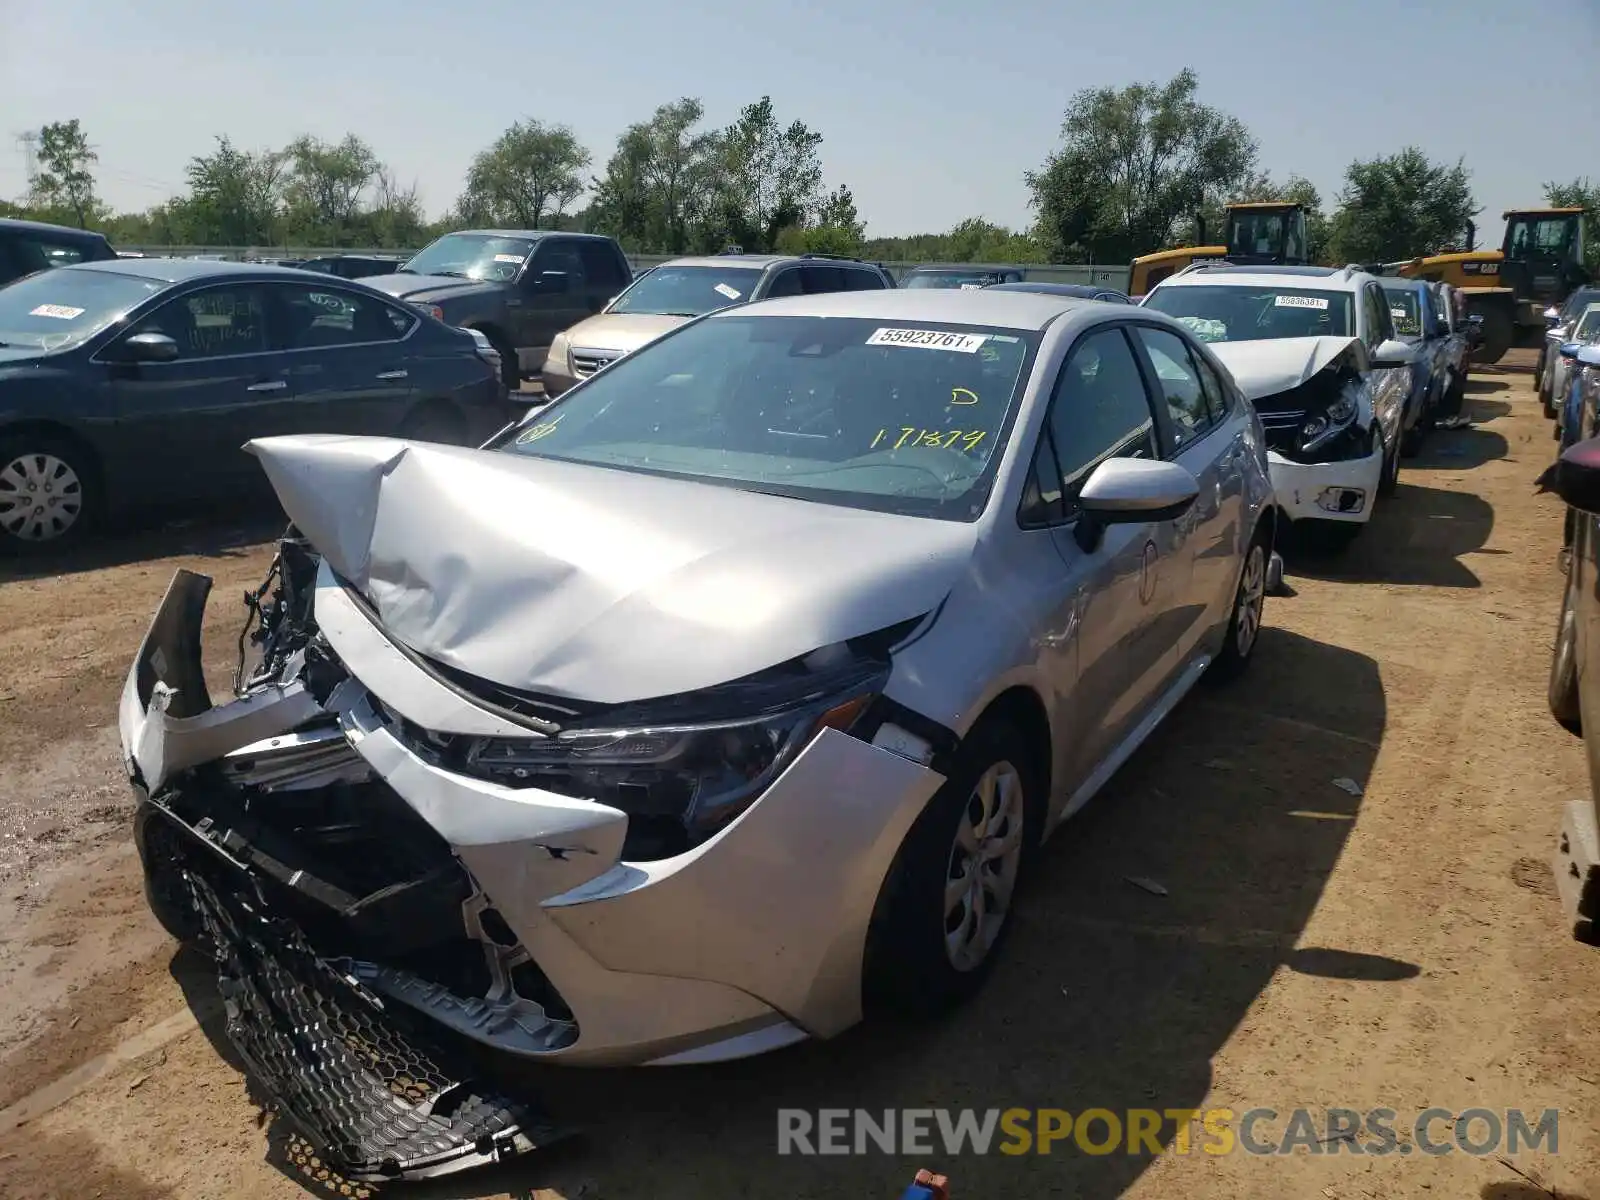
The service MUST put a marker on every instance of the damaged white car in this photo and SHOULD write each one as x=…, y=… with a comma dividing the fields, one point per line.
x=1314, y=349
x=718, y=703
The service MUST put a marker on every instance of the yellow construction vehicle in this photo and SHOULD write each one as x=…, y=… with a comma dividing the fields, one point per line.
x=1539, y=264
x=1260, y=231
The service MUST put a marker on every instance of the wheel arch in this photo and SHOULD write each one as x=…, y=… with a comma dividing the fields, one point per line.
x=55, y=430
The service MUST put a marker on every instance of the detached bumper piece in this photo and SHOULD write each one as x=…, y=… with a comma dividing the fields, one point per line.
x=376, y=1101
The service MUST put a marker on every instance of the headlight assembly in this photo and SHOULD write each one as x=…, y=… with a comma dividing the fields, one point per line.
x=694, y=776
x=1321, y=428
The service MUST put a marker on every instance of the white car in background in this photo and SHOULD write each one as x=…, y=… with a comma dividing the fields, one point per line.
x=1314, y=349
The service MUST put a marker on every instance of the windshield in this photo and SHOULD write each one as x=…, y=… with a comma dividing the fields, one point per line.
x=904, y=418
x=1588, y=329
x=1241, y=313
x=1266, y=233
x=1550, y=236
x=1580, y=300
x=1406, y=312
x=62, y=307
x=472, y=256
x=688, y=291
x=951, y=279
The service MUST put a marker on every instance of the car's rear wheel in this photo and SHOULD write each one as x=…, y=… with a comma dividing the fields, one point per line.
x=1244, y=624
x=1563, y=687
x=48, y=496
x=946, y=907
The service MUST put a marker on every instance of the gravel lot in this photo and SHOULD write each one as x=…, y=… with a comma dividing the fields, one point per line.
x=1400, y=948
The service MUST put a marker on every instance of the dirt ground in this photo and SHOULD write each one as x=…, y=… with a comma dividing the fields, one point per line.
x=1401, y=948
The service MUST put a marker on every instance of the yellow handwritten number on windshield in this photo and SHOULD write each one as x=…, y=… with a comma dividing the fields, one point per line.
x=963, y=396
x=911, y=436
x=538, y=431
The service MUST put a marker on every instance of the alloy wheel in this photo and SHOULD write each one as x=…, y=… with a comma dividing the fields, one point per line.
x=41, y=497
x=1252, y=594
x=983, y=866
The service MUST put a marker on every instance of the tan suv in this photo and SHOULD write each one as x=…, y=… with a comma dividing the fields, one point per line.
x=685, y=288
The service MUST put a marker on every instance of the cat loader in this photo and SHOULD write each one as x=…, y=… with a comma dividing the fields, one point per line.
x=1539, y=264
x=1262, y=231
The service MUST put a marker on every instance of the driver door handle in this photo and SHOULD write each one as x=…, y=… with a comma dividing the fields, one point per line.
x=391, y=375
x=269, y=385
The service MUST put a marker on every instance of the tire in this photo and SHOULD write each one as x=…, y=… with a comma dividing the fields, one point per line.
x=1563, y=687
x=1389, y=477
x=1244, y=622
x=62, y=477
x=913, y=965
x=434, y=421
x=510, y=367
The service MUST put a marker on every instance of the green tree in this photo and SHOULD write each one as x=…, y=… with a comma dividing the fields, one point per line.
x=64, y=185
x=530, y=175
x=1580, y=193
x=771, y=178
x=1133, y=163
x=235, y=196
x=1401, y=206
x=325, y=186
x=653, y=194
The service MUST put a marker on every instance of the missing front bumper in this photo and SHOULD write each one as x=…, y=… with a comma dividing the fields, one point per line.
x=373, y=1095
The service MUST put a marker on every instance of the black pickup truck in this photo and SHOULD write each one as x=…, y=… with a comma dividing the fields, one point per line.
x=29, y=246
x=518, y=287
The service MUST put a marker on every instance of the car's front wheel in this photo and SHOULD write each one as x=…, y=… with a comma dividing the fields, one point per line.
x=47, y=493
x=1563, y=688
x=946, y=908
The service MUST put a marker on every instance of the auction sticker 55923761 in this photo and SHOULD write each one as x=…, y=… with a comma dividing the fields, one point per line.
x=929, y=339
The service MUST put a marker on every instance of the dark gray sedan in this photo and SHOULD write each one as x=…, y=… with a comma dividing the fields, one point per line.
x=137, y=381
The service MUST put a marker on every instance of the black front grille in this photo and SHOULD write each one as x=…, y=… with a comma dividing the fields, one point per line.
x=1283, y=428
x=373, y=1094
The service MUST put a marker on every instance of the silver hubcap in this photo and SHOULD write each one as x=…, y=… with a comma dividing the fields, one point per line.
x=1252, y=591
x=983, y=867
x=41, y=497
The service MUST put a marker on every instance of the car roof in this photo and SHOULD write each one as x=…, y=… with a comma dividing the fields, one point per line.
x=531, y=235
x=981, y=306
x=757, y=261
x=1327, y=278
x=17, y=225
x=1084, y=291
x=962, y=269
x=181, y=270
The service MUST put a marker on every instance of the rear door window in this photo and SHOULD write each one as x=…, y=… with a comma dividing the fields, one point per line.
x=859, y=279
x=818, y=280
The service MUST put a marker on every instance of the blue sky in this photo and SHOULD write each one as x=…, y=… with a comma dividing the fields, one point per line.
x=930, y=111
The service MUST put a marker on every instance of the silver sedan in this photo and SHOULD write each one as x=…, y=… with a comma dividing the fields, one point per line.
x=731, y=695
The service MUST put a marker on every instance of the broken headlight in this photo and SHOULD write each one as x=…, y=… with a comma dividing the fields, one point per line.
x=698, y=775
x=1320, y=428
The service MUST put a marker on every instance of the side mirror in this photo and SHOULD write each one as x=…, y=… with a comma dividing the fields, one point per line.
x=1570, y=349
x=1577, y=476
x=548, y=283
x=1393, y=353
x=1124, y=491
x=147, y=347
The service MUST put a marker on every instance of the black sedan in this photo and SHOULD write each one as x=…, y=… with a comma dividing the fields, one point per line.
x=1078, y=291
x=136, y=382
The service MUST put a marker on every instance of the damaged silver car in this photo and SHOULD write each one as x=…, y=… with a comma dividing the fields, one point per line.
x=721, y=702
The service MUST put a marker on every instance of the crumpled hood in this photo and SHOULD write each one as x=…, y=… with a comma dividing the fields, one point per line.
x=1271, y=365
x=599, y=584
x=432, y=288
x=625, y=332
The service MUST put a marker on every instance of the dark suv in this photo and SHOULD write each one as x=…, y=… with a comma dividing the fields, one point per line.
x=685, y=288
x=29, y=246
x=518, y=287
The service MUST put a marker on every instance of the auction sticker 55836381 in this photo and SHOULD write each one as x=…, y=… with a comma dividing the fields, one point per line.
x=929, y=339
